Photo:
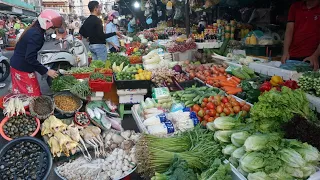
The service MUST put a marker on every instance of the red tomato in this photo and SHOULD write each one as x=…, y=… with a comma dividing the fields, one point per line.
x=226, y=111
x=211, y=119
x=225, y=100
x=210, y=98
x=204, y=104
x=228, y=104
x=206, y=117
x=231, y=110
x=219, y=109
x=246, y=107
x=222, y=105
x=242, y=103
x=235, y=103
x=196, y=108
x=210, y=105
x=205, y=100
x=236, y=109
x=212, y=113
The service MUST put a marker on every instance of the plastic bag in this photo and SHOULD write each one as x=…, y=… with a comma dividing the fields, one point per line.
x=265, y=40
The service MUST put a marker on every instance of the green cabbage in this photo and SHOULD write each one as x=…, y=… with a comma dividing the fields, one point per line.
x=223, y=136
x=234, y=161
x=229, y=149
x=281, y=175
x=292, y=158
x=309, y=153
x=252, y=161
x=239, y=138
x=262, y=141
x=295, y=172
x=308, y=170
x=225, y=123
x=258, y=176
x=238, y=153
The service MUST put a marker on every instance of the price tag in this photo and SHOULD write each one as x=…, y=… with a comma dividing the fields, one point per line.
x=1, y=41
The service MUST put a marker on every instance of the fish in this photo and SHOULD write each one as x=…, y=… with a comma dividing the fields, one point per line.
x=105, y=122
x=115, y=124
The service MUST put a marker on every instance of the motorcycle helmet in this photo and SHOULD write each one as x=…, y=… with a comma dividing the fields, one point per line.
x=49, y=18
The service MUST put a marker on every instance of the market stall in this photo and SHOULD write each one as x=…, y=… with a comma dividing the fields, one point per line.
x=207, y=106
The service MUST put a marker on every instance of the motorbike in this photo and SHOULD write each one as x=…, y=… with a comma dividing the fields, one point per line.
x=72, y=53
x=4, y=67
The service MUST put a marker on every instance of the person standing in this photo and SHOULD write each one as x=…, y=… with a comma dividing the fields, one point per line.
x=111, y=27
x=92, y=29
x=302, y=37
x=24, y=61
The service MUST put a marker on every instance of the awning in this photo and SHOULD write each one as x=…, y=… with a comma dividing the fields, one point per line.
x=29, y=13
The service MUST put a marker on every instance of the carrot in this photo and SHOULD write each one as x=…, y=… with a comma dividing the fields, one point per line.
x=234, y=91
x=233, y=81
x=228, y=83
x=220, y=77
x=228, y=88
x=236, y=79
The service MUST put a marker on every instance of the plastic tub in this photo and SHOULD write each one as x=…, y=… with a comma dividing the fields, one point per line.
x=76, y=121
x=132, y=84
x=101, y=85
x=44, y=147
x=6, y=120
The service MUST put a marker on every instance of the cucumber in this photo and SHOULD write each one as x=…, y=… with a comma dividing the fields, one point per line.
x=196, y=98
x=189, y=95
x=189, y=102
x=189, y=105
x=200, y=100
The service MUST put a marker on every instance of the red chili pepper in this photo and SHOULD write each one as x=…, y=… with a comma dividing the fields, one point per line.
x=266, y=86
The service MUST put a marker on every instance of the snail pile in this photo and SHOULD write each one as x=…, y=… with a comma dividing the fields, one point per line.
x=18, y=126
x=24, y=160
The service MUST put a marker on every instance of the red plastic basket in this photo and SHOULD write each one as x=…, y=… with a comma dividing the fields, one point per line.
x=82, y=75
x=101, y=85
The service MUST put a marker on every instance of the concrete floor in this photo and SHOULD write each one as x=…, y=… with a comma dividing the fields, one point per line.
x=128, y=122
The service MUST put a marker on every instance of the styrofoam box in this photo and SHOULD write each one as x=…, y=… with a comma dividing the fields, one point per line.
x=183, y=56
x=132, y=99
x=139, y=121
x=132, y=91
x=209, y=45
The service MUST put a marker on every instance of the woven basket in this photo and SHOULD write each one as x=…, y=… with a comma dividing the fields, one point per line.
x=68, y=113
x=49, y=101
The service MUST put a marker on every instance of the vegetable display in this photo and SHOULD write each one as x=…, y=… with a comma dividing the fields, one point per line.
x=164, y=77
x=24, y=159
x=100, y=77
x=118, y=59
x=192, y=96
x=14, y=106
x=63, y=82
x=195, y=146
x=217, y=106
x=81, y=89
x=18, y=126
x=80, y=70
x=173, y=47
x=275, y=108
x=97, y=64
x=310, y=83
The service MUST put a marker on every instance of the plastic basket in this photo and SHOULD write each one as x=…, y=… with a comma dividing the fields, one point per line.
x=101, y=85
x=183, y=56
x=45, y=98
x=132, y=84
x=81, y=75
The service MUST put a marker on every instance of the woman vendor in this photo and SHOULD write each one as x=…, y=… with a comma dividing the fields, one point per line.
x=24, y=61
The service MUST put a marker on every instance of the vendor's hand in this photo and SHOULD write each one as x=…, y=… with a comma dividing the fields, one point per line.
x=116, y=47
x=119, y=34
x=284, y=58
x=314, y=61
x=52, y=73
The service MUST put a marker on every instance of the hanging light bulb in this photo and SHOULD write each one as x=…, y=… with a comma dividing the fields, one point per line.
x=136, y=5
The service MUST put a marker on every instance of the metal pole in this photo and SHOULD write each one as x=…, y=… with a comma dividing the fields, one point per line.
x=187, y=13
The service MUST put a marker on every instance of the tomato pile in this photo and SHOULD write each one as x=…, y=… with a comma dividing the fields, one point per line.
x=219, y=106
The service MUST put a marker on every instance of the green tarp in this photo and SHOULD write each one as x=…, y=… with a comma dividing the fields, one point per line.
x=19, y=3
